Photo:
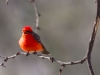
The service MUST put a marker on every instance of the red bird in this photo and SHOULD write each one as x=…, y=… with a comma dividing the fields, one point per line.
x=30, y=41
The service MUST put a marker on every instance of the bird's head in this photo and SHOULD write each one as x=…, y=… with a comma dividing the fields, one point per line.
x=27, y=30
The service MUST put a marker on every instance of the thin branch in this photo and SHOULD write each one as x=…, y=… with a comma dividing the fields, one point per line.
x=2, y=64
x=52, y=59
x=92, y=39
x=7, y=2
x=91, y=46
x=61, y=69
x=36, y=14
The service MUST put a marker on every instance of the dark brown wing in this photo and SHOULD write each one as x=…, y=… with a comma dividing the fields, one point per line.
x=37, y=37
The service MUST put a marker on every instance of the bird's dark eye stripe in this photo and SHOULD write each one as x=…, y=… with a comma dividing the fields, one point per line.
x=29, y=31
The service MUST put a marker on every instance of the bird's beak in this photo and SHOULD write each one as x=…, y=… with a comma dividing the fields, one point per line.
x=24, y=32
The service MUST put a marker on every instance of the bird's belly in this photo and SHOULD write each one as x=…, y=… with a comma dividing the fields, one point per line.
x=30, y=45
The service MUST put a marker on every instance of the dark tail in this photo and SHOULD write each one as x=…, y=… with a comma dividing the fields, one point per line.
x=44, y=50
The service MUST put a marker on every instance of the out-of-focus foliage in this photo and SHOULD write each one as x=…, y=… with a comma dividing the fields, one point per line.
x=66, y=27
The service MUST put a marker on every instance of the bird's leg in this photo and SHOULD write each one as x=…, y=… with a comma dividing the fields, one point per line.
x=27, y=53
x=34, y=52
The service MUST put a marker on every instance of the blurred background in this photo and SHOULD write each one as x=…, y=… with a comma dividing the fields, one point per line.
x=66, y=27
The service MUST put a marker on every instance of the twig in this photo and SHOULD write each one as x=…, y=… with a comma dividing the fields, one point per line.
x=61, y=69
x=37, y=15
x=44, y=57
x=52, y=59
x=91, y=43
x=6, y=1
x=2, y=64
x=92, y=39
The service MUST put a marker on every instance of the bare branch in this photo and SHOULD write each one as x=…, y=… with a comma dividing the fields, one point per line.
x=2, y=64
x=92, y=39
x=36, y=14
x=61, y=69
x=52, y=59
x=91, y=46
x=6, y=1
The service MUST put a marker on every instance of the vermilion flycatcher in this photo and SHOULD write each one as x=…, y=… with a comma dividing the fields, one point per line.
x=30, y=41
